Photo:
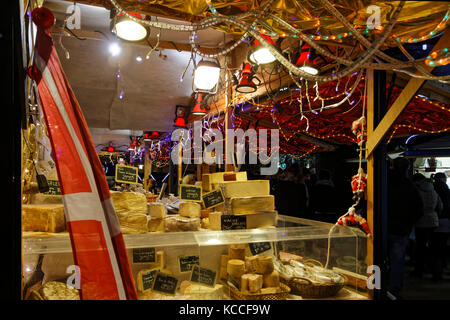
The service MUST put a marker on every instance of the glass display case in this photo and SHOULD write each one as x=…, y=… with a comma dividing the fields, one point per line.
x=199, y=262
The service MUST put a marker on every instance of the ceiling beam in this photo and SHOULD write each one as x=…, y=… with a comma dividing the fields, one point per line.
x=401, y=102
x=93, y=35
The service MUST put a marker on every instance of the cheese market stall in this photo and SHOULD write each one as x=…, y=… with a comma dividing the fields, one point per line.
x=109, y=208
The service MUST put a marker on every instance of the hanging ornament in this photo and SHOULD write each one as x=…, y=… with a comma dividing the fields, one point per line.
x=358, y=130
x=351, y=218
x=359, y=182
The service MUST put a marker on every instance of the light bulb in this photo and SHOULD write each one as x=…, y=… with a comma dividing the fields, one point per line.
x=114, y=49
x=130, y=30
x=206, y=75
x=138, y=58
x=262, y=56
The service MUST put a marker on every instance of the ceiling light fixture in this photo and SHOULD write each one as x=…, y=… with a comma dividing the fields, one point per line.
x=127, y=29
x=115, y=49
x=199, y=109
x=260, y=54
x=206, y=77
x=246, y=85
x=306, y=60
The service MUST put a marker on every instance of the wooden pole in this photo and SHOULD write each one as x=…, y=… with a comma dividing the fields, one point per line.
x=370, y=167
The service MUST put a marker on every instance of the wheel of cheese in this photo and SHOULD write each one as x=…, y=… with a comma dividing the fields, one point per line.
x=189, y=209
x=271, y=279
x=263, y=265
x=236, y=268
x=237, y=251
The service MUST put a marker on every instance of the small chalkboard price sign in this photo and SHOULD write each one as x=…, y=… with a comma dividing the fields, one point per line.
x=53, y=187
x=165, y=283
x=259, y=247
x=144, y=255
x=213, y=198
x=203, y=275
x=147, y=279
x=190, y=192
x=233, y=222
x=187, y=262
x=126, y=174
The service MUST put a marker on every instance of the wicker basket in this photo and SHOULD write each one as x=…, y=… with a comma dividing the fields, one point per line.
x=235, y=294
x=308, y=289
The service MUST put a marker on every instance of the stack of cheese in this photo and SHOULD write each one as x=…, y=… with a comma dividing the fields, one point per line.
x=250, y=274
x=250, y=198
x=131, y=209
x=43, y=217
x=195, y=291
x=188, y=218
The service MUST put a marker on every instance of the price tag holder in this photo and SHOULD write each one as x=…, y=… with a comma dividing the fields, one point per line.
x=187, y=262
x=233, y=222
x=213, y=198
x=53, y=187
x=203, y=276
x=144, y=255
x=147, y=279
x=165, y=283
x=126, y=174
x=259, y=247
x=190, y=192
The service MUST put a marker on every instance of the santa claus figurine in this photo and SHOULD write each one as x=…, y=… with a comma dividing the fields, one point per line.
x=359, y=182
x=358, y=130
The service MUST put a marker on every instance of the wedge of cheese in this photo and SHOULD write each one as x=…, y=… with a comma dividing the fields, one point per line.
x=250, y=188
x=211, y=180
x=243, y=205
x=43, y=217
x=129, y=202
x=178, y=223
x=133, y=223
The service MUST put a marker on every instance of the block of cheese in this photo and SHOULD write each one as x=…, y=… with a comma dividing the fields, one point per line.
x=249, y=188
x=205, y=223
x=156, y=225
x=271, y=279
x=189, y=209
x=43, y=217
x=215, y=220
x=250, y=263
x=237, y=251
x=263, y=265
x=200, y=292
x=55, y=290
x=243, y=205
x=157, y=210
x=255, y=282
x=244, y=282
x=210, y=180
x=129, y=202
x=42, y=198
x=133, y=223
x=236, y=268
x=262, y=220
x=178, y=223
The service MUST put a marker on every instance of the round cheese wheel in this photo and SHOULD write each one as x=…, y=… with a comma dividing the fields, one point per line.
x=236, y=268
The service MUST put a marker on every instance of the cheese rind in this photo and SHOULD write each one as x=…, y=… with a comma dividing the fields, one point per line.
x=157, y=210
x=43, y=217
x=249, y=188
x=246, y=205
x=178, y=223
x=189, y=209
x=236, y=268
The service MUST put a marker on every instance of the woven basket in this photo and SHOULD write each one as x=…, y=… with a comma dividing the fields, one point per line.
x=308, y=289
x=238, y=295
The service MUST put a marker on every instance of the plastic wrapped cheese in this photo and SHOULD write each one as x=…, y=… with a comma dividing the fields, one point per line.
x=178, y=223
x=43, y=217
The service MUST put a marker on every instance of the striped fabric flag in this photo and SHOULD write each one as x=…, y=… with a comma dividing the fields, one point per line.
x=97, y=242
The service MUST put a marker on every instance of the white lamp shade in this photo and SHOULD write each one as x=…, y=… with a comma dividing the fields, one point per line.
x=261, y=55
x=130, y=30
x=206, y=75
